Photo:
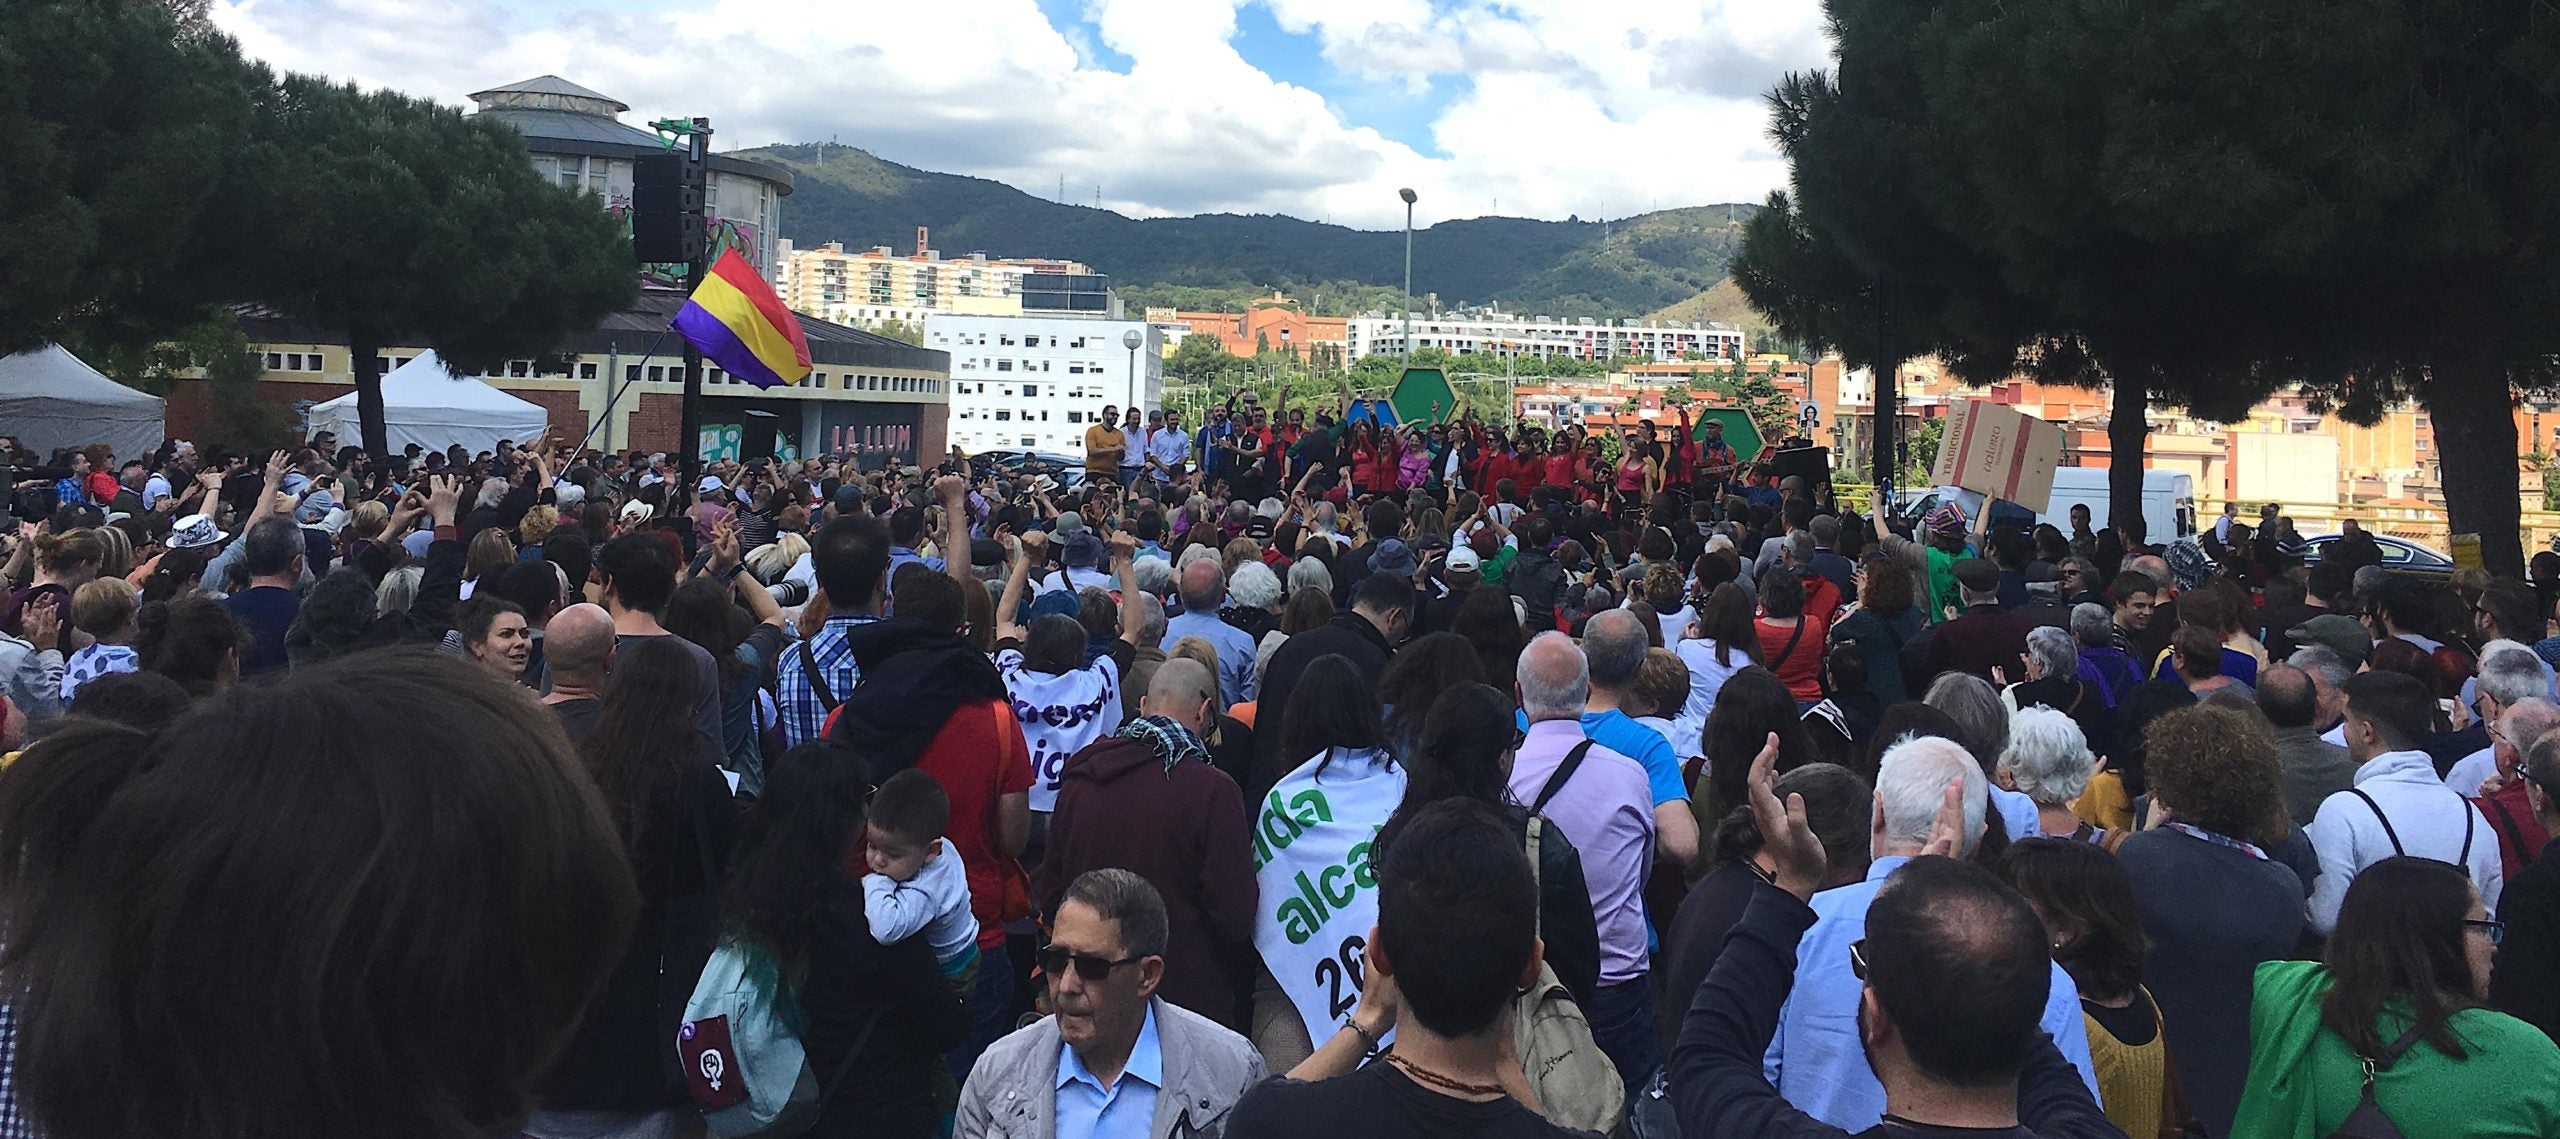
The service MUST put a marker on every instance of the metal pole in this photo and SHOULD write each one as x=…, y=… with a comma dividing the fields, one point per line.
x=1407, y=195
x=1888, y=415
x=697, y=266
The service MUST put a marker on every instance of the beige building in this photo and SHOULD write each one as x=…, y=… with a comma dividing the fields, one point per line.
x=866, y=287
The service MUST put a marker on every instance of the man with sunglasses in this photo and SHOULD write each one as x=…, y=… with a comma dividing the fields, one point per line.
x=1833, y=1030
x=1944, y=979
x=1114, y=1059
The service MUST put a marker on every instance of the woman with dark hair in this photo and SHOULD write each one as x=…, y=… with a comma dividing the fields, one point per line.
x=794, y=898
x=2085, y=900
x=1416, y=677
x=1838, y=805
x=1790, y=638
x=1886, y=617
x=1465, y=752
x=2212, y=901
x=677, y=823
x=494, y=634
x=1754, y=707
x=1722, y=643
x=192, y=640
x=1332, y=749
x=390, y=920
x=1490, y=624
x=2392, y=1017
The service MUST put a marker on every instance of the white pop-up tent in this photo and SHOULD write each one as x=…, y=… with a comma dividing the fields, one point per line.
x=425, y=404
x=49, y=399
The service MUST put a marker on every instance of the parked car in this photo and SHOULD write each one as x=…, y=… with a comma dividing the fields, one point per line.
x=2399, y=556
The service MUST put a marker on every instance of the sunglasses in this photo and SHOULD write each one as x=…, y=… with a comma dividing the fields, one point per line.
x=2495, y=930
x=1055, y=961
x=1858, y=958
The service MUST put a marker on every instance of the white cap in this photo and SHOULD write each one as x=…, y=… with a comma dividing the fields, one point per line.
x=1464, y=559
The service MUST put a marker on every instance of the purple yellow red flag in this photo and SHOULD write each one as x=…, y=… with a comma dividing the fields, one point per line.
x=735, y=320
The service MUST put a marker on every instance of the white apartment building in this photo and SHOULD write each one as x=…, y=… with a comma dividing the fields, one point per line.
x=1508, y=335
x=1036, y=382
x=871, y=285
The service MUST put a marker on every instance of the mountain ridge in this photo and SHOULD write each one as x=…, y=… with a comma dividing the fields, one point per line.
x=1623, y=267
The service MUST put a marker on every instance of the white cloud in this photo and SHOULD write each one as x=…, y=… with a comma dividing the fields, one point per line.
x=1553, y=107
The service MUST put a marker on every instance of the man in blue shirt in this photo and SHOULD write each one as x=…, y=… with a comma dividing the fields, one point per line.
x=1818, y=1059
x=1201, y=591
x=851, y=559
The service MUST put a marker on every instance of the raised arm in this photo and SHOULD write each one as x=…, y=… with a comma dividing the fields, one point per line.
x=952, y=491
x=1023, y=551
x=1124, y=566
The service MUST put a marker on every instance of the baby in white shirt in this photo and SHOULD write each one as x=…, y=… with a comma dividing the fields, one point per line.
x=917, y=882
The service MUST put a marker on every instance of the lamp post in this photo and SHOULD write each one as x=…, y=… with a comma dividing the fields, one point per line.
x=1407, y=195
x=1131, y=340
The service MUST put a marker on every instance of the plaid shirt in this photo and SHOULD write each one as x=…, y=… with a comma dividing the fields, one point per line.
x=804, y=716
x=13, y=1125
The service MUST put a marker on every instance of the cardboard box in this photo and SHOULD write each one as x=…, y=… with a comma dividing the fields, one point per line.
x=1999, y=451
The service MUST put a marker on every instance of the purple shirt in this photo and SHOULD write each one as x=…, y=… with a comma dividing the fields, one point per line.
x=1607, y=810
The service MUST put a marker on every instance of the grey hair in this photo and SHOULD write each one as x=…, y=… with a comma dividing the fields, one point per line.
x=1800, y=547
x=769, y=562
x=1154, y=574
x=2367, y=580
x=1254, y=586
x=1613, y=647
x=2526, y=721
x=1239, y=512
x=1150, y=620
x=1911, y=784
x=2092, y=625
x=1196, y=554
x=399, y=589
x=1550, y=689
x=2323, y=662
x=1121, y=896
x=2510, y=672
x=2056, y=649
x=1269, y=508
x=1310, y=573
x=492, y=491
x=1975, y=706
x=2048, y=757
x=2151, y=566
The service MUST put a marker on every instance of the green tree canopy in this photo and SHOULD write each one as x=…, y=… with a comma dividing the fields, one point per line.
x=2201, y=200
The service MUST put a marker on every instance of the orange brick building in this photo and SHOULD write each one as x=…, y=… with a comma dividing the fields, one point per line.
x=1273, y=323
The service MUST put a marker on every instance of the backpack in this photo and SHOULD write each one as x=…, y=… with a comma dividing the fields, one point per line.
x=2368, y=1121
x=741, y=1052
x=1578, y=1088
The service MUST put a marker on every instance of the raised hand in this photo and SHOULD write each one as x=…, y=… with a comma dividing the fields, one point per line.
x=41, y=620
x=1947, y=835
x=1784, y=834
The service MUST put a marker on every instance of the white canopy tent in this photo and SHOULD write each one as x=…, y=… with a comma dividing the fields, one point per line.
x=49, y=399
x=425, y=404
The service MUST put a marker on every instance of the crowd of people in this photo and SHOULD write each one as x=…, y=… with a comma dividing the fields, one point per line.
x=1303, y=775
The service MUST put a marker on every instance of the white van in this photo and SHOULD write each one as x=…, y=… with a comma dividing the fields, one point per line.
x=2168, y=501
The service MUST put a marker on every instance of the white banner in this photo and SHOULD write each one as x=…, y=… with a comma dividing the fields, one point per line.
x=1061, y=715
x=1311, y=839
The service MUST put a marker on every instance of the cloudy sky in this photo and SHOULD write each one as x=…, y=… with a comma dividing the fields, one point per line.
x=1313, y=108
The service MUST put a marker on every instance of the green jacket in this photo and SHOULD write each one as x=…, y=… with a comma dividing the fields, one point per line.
x=2303, y=1079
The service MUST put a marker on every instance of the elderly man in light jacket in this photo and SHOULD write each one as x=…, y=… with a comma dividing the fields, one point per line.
x=1113, y=1057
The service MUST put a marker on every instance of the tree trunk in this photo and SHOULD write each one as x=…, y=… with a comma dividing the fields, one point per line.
x=364, y=350
x=2468, y=402
x=2128, y=447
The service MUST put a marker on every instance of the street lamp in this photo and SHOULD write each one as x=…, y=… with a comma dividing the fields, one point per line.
x=1131, y=340
x=1407, y=195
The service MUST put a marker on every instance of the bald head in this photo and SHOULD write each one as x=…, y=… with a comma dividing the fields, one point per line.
x=2155, y=568
x=2287, y=695
x=1201, y=586
x=1182, y=691
x=1555, y=679
x=578, y=643
x=2525, y=722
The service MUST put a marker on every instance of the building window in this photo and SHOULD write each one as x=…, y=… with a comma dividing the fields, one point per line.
x=519, y=369
x=657, y=373
x=587, y=369
x=631, y=373
x=1075, y=417
x=1004, y=365
x=1005, y=341
x=1030, y=391
x=1003, y=415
